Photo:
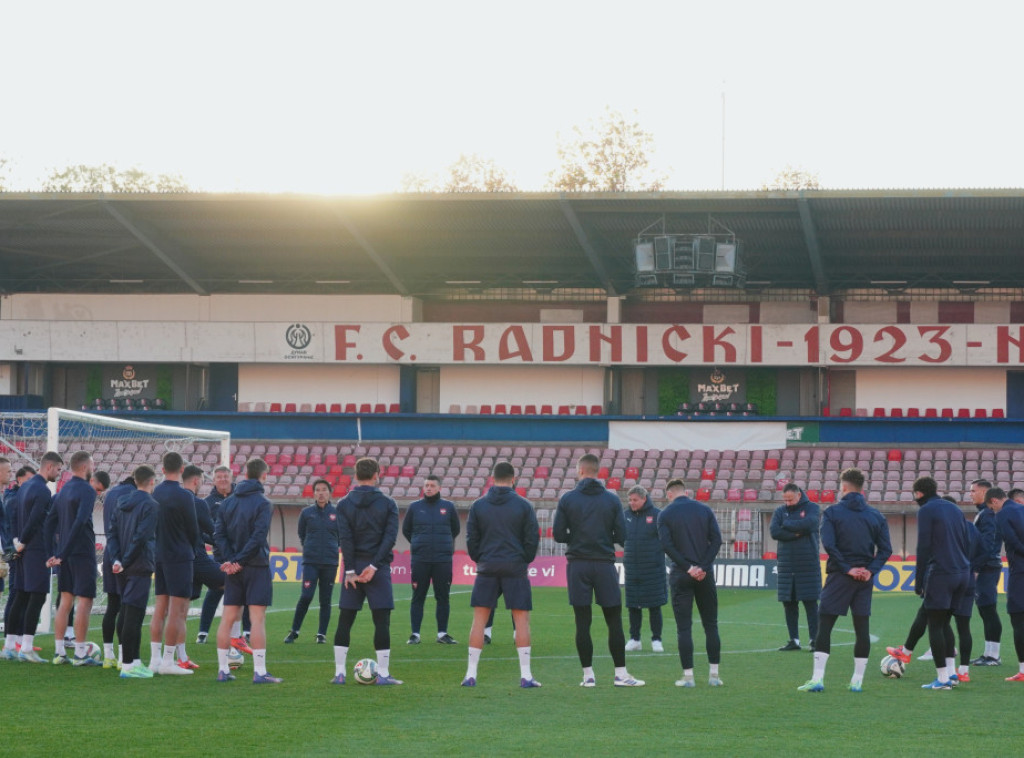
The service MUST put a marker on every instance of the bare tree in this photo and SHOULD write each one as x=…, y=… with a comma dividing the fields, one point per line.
x=612, y=154
x=107, y=178
x=469, y=173
x=790, y=178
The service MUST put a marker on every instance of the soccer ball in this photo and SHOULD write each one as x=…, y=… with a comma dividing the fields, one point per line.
x=94, y=651
x=892, y=667
x=365, y=671
x=235, y=659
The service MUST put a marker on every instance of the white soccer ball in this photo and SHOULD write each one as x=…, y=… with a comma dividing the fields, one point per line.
x=365, y=671
x=235, y=659
x=892, y=667
x=94, y=651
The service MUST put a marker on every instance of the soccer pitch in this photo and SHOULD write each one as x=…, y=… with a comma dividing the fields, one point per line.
x=58, y=710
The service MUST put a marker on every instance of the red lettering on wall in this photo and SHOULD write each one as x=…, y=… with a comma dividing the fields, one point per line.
x=614, y=340
x=467, y=338
x=1003, y=342
x=387, y=340
x=937, y=338
x=568, y=347
x=754, y=350
x=899, y=339
x=680, y=333
x=641, y=344
x=341, y=341
x=522, y=346
x=712, y=340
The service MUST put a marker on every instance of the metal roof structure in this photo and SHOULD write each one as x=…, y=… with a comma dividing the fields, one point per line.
x=425, y=244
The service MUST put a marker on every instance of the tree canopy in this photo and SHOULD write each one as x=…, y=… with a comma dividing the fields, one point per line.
x=107, y=178
x=790, y=178
x=468, y=173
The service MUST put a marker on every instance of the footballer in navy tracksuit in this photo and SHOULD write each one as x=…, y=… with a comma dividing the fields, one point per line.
x=176, y=533
x=590, y=521
x=213, y=596
x=369, y=528
x=240, y=536
x=70, y=531
x=691, y=538
x=320, y=536
x=431, y=526
x=856, y=538
x=1010, y=520
x=131, y=549
x=205, y=570
x=985, y=592
x=110, y=586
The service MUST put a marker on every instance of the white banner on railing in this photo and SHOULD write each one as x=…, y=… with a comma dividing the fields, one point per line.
x=696, y=435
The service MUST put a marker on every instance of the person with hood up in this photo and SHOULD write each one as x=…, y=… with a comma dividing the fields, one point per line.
x=589, y=521
x=644, y=563
x=368, y=524
x=795, y=527
x=856, y=538
x=131, y=550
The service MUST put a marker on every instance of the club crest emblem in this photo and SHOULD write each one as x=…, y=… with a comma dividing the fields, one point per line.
x=650, y=519
x=307, y=585
x=444, y=511
x=333, y=517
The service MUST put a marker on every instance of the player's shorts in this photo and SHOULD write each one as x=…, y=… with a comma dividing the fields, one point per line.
x=508, y=579
x=134, y=589
x=944, y=591
x=110, y=585
x=377, y=592
x=588, y=580
x=174, y=579
x=14, y=576
x=1015, y=593
x=843, y=594
x=250, y=586
x=77, y=575
x=34, y=573
x=966, y=607
x=985, y=591
x=206, y=573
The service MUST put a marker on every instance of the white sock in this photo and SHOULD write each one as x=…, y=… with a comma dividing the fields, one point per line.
x=81, y=649
x=11, y=640
x=488, y=630
x=820, y=661
x=340, y=656
x=168, y=659
x=687, y=673
x=796, y=640
x=182, y=655
x=524, y=662
x=439, y=634
x=236, y=629
x=120, y=654
x=383, y=662
x=155, y=653
x=907, y=650
x=474, y=662
x=621, y=673
x=222, y=660
x=1021, y=666
x=963, y=670
x=58, y=645
x=108, y=649
x=942, y=673
x=417, y=635
x=259, y=661
x=860, y=665
x=588, y=673
x=951, y=664
x=28, y=642
x=714, y=670
x=995, y=650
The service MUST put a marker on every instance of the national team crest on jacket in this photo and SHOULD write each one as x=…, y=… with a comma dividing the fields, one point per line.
x=307, y=585
x=333, y=517
x=803, y=514
x=650, y=519
x=444, y=511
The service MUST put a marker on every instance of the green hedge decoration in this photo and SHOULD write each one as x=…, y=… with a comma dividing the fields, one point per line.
x=673, y=389
x=762, y=389
x=93, y=384
x=165, y=384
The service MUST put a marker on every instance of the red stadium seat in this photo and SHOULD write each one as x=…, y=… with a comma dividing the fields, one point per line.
x=913, y=412
x=703, y=494
x=521, y=491
x=515, y=410
x=289, y=408
x=340, y=490
x=563, y=410
x=769, y=556
x=351, y=408
x=545, y=410
x=409, y=471
x=632, y=472
x=895, y=557
x=614, y=483
x=894, y=455
x=707, y=473
x=529, y=410
x=596, y=410
x=980, y=413
x=826, y=411
x=931, y=413
x=771, y=464
x=739, y=547
x=349, y=460
x=485, y=410
x=275, y=407
x=998, y=413
x=320, y=408
x=380, y=408
x=878, y=412
x=365, y=408
x=947, y=413
x=963, y=413
x=827, y=496
x=541, y=472
x=335, y=408
x=896, y=413
x=813, y=495
x=603, y=473
x=500, y=409
x=293, y=550
x=395, y=408
x=393, y=470
x=581, y=410
x=910, y=558
x=845, y=412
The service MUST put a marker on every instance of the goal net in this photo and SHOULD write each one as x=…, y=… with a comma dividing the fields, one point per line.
x=117, y=446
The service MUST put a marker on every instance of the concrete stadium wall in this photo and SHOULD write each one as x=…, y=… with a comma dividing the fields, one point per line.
x=318, y=383
x=931, y=388
x=551, y=385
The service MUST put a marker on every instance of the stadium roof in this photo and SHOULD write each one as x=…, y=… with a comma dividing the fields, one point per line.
x=426, y=244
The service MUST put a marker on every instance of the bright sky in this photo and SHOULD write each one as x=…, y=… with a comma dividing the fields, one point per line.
x=345, y=97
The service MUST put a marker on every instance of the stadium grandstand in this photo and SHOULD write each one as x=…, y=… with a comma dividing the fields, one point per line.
x=739, y=340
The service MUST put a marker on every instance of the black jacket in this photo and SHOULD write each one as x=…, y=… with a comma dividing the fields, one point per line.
x=431, y=526
x=854, y=535
x=176, y=526
x=132, y=536
x=589, y=520
x=369, y=527
x=689, y=533
x=320, y=534
x=799, y=565
x=644, y=558
x=240, y=533
x=502, y=529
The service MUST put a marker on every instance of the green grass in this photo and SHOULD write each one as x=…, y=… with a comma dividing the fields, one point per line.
x=63, y=711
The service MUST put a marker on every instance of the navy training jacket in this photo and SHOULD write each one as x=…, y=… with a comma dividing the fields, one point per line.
x=795, y=528
x=644, y=558
x=176, y=526
x=70, y=520
x=502, y=529
x=240, y=533
x=431, y=526
x=132, y=536
x=589, y=520
x=34, y=500
x=320, y=534
x=689, y=534
x=369, y=527
x=942, y=539
x=854, y=535
x=985, y=521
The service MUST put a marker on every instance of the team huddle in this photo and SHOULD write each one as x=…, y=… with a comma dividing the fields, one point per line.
x=157, y=536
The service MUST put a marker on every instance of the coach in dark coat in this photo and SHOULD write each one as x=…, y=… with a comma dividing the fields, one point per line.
x=795, y=527
x=644, y=561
